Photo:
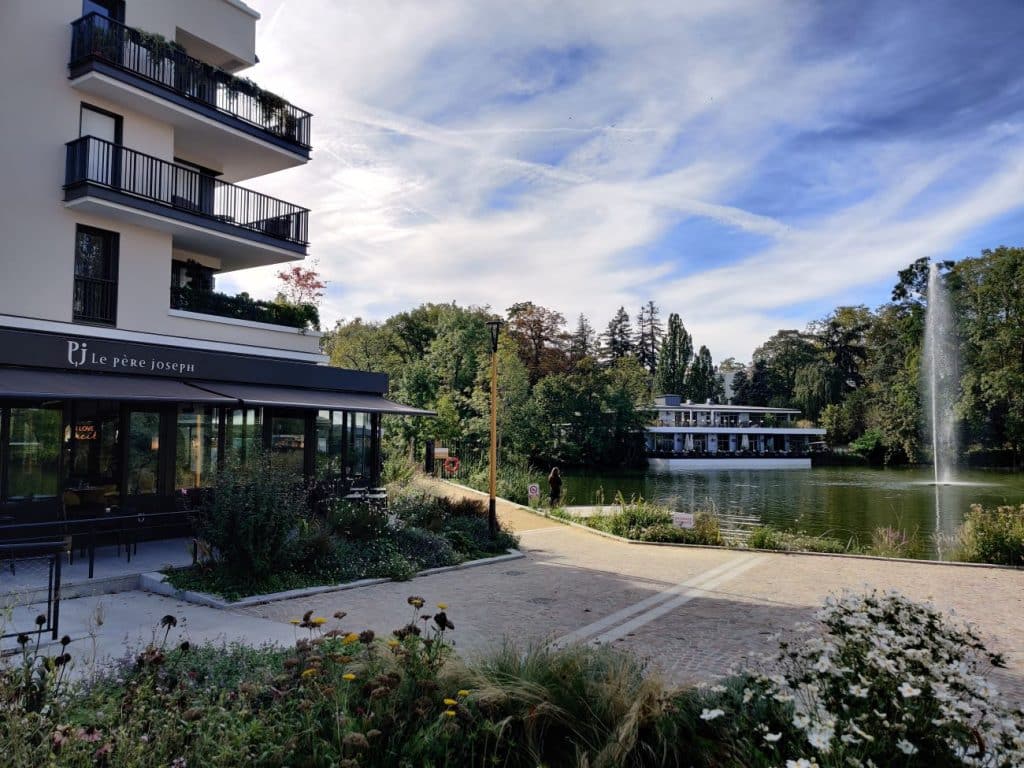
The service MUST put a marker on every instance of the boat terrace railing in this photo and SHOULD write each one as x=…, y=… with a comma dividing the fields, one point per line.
x=96, y=161
x=166, y=65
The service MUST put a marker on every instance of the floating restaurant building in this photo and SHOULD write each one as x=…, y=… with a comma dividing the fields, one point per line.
x=125, y=378
x=687, y=435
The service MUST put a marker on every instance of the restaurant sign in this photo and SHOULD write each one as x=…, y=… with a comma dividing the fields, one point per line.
x=40, y=349
x=80, y=356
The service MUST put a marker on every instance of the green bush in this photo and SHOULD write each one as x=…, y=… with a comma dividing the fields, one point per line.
x=358, y=521
x=252, y=515
x=471, y=537
x=766, y=537
x=992, y=536
x=425, y=549
x=705, y=531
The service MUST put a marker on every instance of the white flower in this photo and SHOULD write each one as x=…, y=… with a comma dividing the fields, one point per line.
x=820, y=738
x=801, y=720
x=801, y=763
x=907, y=691
x=771, y=738
x=859, y=691
x=747, y=695
x=711, y=714
x=717, y=689
x=906, y=747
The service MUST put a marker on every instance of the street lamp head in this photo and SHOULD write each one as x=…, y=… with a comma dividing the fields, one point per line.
x=494, y=326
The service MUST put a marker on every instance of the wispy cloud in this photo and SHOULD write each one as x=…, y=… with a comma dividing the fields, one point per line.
x=743, y=163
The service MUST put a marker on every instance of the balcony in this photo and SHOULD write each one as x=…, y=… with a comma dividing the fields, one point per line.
x=220, y=120
x=204, y=214
x=242, y=307
x=95, y=301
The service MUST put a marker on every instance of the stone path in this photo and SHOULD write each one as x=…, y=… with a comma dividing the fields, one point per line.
x=693, y=613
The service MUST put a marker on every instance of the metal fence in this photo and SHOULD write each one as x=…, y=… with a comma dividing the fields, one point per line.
x=41, y=559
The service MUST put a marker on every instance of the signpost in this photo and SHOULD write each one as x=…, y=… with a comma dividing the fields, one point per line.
x=533, y=492
x=682, y=519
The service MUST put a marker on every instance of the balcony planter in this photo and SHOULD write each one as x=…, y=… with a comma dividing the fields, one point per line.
x=243, y=307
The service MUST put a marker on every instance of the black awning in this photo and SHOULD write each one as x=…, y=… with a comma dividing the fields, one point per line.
x=293, y=397
x=24, y=383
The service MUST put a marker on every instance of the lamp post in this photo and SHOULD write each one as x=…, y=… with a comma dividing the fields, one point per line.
x=494, y=326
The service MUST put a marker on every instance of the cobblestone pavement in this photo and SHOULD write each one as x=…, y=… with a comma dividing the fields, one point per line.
x=693, y=613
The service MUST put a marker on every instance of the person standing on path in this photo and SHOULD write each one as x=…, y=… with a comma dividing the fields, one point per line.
x=555, y=482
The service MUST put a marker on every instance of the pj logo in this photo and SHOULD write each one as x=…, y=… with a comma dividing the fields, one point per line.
x=77, y=352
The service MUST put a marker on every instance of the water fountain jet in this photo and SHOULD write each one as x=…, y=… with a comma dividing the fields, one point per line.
x=940, y=376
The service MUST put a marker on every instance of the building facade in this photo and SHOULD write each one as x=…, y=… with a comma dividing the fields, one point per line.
x=125, y=377
x=687, y=435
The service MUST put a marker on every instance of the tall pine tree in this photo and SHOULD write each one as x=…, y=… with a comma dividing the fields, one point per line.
x=648, y=337
x=702, y=381
x=618, y=339
x=674, y=358
x=582, y=342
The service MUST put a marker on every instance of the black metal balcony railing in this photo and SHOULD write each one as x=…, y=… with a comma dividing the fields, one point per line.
x=94, y=161
x=166, y=65
x=95, y=301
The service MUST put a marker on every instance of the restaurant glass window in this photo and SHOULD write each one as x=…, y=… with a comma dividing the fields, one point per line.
x=33, y=453
x=197, y=446
x=143, y=453
x=358, y=453
x=288, y=441
x=330, y=430
x=244, y=432
x=92, y=454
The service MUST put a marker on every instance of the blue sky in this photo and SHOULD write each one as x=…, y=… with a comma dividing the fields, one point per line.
x=748, y=164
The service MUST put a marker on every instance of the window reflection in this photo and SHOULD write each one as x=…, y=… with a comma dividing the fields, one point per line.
x=143, y=453
x=33, y=453
x=197, y=446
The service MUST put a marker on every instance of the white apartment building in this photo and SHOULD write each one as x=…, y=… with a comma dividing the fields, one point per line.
x=686, y=435
x=125, y=377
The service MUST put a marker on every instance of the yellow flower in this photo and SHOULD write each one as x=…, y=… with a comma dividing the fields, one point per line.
x=308, y=672
x=450, y=702
x=294, y=621
x=348, y=676
x=318, y=621
x=443, y=606
x=463, y=692
x=450, y=712
x=393, y=643
x=350, y=638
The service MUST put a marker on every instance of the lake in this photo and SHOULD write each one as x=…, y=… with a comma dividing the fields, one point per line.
x=835, y=501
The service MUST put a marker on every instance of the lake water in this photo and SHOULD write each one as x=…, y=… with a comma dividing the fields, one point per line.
x=836, y=501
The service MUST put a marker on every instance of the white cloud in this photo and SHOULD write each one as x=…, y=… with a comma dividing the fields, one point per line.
x=451, y=161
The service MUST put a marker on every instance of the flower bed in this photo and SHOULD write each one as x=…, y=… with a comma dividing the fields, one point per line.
x=642, y=521
x=876, y=680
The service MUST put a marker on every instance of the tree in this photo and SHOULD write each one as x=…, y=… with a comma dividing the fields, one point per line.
x=539, y=331
x=674, y=358
x=784, y=354
x=582, y=343
x=618, y=338
x=753, y=387
x=300, y=285
x=648, y=336
x=701, y=381
x=988, y=292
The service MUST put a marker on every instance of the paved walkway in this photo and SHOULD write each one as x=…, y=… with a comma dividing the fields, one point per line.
x=692, y=612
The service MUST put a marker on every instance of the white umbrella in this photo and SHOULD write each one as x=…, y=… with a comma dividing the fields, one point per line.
x=689, y=441
x=745, y=443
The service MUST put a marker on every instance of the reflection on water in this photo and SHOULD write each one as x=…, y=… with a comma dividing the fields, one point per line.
x=838, y=501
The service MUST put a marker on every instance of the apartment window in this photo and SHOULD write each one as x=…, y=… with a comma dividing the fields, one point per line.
x=95, y=296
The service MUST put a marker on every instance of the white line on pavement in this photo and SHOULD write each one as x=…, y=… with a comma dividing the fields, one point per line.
x=695, y=591
x=649, y=602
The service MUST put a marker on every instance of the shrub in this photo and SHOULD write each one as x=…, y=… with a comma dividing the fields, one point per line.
x=887, y=541
x=766, y=537
x=471, y=537
x=358, y=521
x=992, y=536
x=425, y=549
x=884, y=679
x=705, y=531
x=251, y=515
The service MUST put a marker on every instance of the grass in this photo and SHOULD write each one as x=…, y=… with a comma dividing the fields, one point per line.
x=641, y=520
x=766, y=537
